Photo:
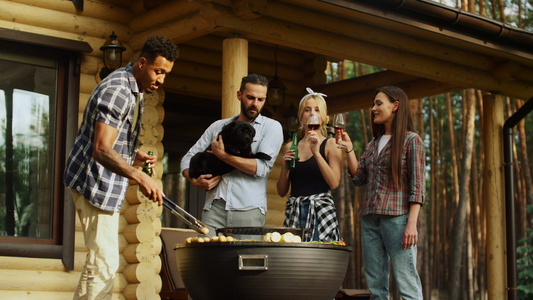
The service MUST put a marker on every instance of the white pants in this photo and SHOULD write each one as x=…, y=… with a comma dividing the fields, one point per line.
x=100, y=231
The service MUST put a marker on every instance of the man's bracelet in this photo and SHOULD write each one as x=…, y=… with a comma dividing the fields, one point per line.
x=348, y=151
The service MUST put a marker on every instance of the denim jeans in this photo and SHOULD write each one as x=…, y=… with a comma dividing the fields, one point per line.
x=382, y=237
x=304, y=211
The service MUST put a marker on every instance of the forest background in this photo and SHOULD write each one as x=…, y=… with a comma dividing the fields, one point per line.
x=450, y=125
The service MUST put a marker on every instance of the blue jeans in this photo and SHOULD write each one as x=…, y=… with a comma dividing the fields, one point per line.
x=304, y=211
x=382, y=237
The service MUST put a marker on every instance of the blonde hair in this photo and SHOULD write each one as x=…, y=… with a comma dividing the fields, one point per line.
x=323, y=112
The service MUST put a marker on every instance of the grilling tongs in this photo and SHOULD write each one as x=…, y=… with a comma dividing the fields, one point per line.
x=185, y=216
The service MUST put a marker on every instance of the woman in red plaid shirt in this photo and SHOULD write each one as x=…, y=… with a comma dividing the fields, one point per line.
x=393, y=168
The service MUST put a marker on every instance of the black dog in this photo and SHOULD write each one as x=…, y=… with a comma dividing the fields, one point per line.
x=238, y=137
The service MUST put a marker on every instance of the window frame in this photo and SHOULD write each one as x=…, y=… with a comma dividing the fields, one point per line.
x=68, y=54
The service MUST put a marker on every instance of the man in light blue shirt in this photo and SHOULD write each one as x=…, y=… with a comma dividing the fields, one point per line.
x=239, y=198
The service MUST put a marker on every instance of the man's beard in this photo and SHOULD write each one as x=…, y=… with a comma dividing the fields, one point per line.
x=250, y=115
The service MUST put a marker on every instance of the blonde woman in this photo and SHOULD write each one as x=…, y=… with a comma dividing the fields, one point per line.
x=318, y=170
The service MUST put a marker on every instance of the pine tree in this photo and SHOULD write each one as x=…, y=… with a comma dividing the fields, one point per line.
x=525, y=263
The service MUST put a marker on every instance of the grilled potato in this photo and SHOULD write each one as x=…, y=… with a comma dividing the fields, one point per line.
x=287, y=237
x=275, y=237
x=267, y=237
x=205, y=230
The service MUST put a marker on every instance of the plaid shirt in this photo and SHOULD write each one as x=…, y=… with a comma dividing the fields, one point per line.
x=381, y=196
x=321, y=217
x=113, y=103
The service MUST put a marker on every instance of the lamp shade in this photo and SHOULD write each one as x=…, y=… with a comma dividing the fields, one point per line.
x=112, y=52
x=276, y=92
x=292, y=119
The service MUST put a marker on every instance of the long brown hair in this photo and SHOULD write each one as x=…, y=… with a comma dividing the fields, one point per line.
x=401, y=123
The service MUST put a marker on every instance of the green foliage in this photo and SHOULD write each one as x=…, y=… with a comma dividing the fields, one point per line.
x=524, y=263
x=512, y=10
x=30, y=172
x=354, y=128
x=439, y=136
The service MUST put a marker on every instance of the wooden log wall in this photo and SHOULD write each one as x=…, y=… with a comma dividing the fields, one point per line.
x=43, y=279
x=140, y=225
x=142, y=215
x=197, y=72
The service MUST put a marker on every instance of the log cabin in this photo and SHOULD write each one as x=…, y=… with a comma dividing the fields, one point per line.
x=423, y=47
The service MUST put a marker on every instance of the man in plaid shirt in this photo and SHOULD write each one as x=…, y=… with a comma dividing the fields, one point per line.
x=101, y=161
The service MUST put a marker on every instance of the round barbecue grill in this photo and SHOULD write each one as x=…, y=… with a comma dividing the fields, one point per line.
x=262, y=270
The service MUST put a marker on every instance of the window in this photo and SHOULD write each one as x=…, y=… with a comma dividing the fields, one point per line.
x=27, y=157
x=39, y=91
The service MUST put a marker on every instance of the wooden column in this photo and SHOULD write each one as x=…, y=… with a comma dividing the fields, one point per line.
x=494, y=197
x=234, y=68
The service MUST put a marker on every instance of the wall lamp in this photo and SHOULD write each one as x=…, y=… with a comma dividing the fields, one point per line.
x=292, y=119
x=276, y=88
x=112, y=55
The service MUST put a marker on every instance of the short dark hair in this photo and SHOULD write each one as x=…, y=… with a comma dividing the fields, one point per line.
x=254, y=79
x=159, y=46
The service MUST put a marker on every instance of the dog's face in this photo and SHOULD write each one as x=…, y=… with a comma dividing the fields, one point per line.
x=238, y=137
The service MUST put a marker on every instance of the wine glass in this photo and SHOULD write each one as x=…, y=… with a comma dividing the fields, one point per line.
x=313, y=123
x=338, y=124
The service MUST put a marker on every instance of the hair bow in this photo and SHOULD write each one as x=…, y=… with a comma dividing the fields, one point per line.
x=312, y=93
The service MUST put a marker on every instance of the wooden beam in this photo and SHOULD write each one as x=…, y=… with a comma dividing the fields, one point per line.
x=18, y=36
x=329, y=44
x=189, y=27
x=94, y=9
x=363, y=99
x=511, y=70
x=286, y=56
x=94, y=43
x=62, y=21
x=166, y=13
x=206, y=63
x=249, y=9
x=361, y=83
x=355, y=29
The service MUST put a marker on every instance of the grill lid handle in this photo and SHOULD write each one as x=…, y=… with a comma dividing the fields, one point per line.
x=253, y=262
